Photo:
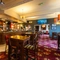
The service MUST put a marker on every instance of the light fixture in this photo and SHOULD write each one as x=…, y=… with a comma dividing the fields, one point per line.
x=58, y=19
x=43, y=25
x=22, y=16
x=55, y=20
x=1, y=2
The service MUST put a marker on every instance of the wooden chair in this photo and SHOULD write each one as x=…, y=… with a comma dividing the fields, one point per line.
x=32, y=49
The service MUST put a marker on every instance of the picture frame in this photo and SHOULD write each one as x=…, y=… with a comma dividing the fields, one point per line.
x=53, y=26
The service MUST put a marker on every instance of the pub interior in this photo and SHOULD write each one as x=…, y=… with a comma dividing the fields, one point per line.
x=26, y=38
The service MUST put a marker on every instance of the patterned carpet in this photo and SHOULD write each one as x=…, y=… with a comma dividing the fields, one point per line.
x=47, y=50
x=48, y=53
x=48, y=43
x=45, y=54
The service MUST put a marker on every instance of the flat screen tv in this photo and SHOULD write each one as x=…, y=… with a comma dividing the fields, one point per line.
x=42, y=21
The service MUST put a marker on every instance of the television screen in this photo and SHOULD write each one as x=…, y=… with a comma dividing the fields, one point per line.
x=42, y=21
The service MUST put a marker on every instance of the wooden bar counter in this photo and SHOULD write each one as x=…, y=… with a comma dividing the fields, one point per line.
x=4, y=34
x=16, y=47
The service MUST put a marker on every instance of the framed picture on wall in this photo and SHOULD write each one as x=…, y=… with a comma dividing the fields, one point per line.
x=28, y=27
x=53, y=26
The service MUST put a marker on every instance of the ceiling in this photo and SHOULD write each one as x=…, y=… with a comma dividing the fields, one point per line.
x=31, y=9
x=11, y=3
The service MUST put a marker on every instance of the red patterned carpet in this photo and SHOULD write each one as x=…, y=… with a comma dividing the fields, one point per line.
x=48, y=53
x=47, y=50
x=43, y=54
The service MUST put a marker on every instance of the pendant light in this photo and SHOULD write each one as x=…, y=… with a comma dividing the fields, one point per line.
x=1, y=2
x=58, y=21
x=22, y=15
x=55, y=20
x=59, y=17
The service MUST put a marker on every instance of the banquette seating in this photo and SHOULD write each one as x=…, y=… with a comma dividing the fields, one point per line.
x=54, y=35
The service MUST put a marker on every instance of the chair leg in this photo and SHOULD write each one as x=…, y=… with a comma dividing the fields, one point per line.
x=6, y=49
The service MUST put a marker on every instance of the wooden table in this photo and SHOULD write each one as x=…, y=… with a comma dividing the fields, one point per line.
x=17, y=42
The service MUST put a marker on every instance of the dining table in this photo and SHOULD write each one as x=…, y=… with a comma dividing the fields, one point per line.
x=19, y=42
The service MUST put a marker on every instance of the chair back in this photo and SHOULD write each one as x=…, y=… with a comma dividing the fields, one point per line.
x=35, y=41
x=7, y=39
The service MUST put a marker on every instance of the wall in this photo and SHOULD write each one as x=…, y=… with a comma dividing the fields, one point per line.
x=34, y=22
x=49, y=21
x=54, y=30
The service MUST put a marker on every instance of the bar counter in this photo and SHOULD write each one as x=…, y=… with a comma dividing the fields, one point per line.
x=4, y=34
x=10, y=33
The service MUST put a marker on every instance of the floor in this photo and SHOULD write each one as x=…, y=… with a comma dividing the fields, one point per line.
x=2, y=47
x=48, y=49
x=48, y=43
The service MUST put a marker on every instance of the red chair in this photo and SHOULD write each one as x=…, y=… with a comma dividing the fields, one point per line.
x=7, y=42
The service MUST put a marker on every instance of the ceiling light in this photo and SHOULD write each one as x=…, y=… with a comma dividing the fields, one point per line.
x=31, y=17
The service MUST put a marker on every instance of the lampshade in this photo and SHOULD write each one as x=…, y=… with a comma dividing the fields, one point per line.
x=55, y=20
x=58, y=16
